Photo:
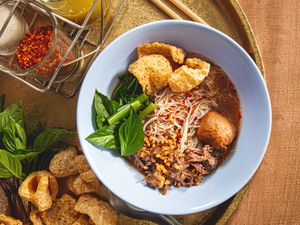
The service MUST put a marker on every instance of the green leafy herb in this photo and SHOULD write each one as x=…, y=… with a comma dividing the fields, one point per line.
x=105, y=137
x=9, y=165
x=131, y=135
x=144, y=113
x=104, y=108
x=14, y=136
x=49, y=138
x=124, y=110
x=17, y=156
x=120, y=127
x=27, y=155
x=111, y=106
x=117, y=121
x=15, y=111
x=127, y=89
x=4, y=173
x=101, y=112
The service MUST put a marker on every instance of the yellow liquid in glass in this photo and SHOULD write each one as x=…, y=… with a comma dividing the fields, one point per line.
x=75, y=10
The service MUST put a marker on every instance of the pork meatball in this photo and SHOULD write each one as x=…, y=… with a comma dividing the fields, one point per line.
x=216, y=130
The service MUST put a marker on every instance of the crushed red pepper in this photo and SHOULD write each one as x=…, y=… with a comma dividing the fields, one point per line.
x=34, y=46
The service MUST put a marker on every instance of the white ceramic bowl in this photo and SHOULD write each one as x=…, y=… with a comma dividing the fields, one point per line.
x=121, y=178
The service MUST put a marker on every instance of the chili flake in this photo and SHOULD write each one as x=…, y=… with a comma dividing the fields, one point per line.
x=34, y=46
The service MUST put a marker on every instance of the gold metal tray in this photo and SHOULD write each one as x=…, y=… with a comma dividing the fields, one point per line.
x=225, y=15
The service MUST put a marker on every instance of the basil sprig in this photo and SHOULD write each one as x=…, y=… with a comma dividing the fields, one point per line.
x=118, y=125
x=17, y=150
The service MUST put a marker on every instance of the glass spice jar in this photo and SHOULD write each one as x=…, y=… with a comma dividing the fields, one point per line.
x=42, y=48
x=15, y=30
x=76, y=10
x=35, y=45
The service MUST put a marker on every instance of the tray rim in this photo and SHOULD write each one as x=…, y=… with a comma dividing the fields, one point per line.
x=250, y=35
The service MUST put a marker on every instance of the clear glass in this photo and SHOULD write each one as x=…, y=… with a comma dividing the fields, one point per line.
x=15, y=30
x=76, y=10
x=44, y=69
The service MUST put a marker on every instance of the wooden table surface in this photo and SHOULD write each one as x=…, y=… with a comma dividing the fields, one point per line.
x=274, y=193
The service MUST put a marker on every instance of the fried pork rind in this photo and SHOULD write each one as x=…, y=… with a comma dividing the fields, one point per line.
x=78, y=186
x=62, y=164
x=40, y=188
x=152, y=72
x=99, y=211
x=6, y=220
x=102, y=192
x=197, y=63
x=189, y=76
x=168, y=51
x=89, y=177
x=86, y=181
x=81, y=164
x=83, y=220
x=35, y=217
x=62, y=212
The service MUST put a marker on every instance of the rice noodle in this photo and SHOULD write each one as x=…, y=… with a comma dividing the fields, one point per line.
x=180, y=112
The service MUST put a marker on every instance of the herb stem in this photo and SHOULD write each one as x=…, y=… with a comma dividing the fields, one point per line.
x=123, y=111
x=149, y=109
x=142, y=98
x=114, y=94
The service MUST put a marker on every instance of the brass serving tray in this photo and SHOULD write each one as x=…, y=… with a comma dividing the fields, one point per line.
x=224, y=15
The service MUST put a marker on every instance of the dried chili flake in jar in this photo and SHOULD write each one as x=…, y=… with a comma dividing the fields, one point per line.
x=34, y=46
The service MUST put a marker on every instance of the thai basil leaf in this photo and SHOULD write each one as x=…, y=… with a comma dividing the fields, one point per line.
x=4, y=173
x=104, y=108
x=111, y=106
x=15, y=111
x=4, y=121
x=9, y=165
x=50, y=137
x=27, y=155
x=105, y=137
x=101, y=111
x=14, y=136
x=100, y=120
x=21, y=137
x=131, y=135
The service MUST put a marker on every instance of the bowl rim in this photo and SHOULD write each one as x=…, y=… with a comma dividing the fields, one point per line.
x=249, y=175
